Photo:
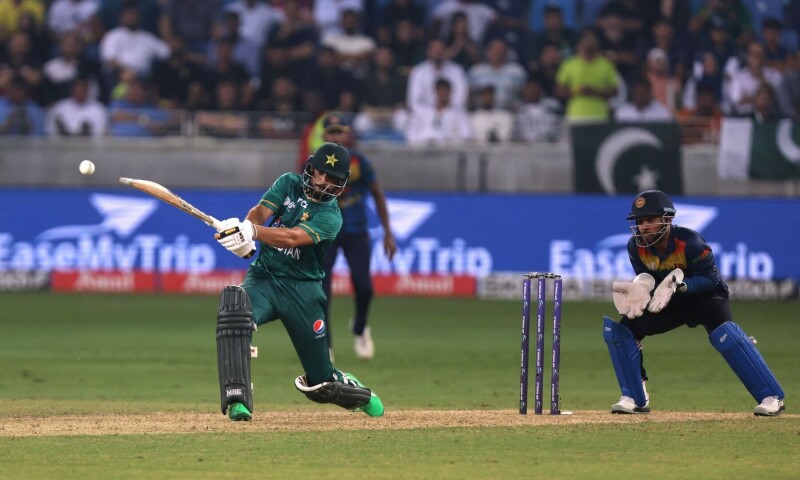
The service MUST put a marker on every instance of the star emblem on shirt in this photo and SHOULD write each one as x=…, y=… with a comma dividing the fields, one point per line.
x=331, y=160
x=304, y=217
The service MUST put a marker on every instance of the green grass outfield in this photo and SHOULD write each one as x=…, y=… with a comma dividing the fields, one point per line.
x=115, y=386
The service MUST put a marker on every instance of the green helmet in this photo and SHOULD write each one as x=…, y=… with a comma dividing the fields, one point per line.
x=333, y=159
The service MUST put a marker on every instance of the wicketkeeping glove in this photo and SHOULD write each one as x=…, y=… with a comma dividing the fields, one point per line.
x=631, y=298
x=665, y=290
x=237, y=237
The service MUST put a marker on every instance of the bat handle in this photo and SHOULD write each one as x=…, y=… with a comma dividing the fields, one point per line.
x=213, y=222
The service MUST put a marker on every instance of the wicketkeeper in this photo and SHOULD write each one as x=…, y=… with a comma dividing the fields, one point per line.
x=285, y=282
x=690, y=292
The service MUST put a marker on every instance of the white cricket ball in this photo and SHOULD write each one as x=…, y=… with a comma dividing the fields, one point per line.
x=86, y=167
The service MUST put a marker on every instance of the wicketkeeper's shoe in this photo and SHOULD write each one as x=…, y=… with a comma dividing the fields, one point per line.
x=628, y=405
x=373, y=408
x=237, y=412
x=769, y=407
x=364, y=346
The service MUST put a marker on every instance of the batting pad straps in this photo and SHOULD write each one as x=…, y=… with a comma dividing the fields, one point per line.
x=745, y=360
x=234, y=328
x=346, y=396
x=626, y=358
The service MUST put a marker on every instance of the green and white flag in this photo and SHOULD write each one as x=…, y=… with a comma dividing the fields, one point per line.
x=615, y=158
x=767, y=151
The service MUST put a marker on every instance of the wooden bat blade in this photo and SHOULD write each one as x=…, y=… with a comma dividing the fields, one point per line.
x=167, y=196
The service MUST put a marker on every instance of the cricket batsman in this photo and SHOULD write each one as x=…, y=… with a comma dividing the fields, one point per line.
x=690, y=292
x=285, y=283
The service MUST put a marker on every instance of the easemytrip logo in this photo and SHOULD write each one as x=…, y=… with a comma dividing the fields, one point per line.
x=609, y=257
x=418, y=254
x=111, y=244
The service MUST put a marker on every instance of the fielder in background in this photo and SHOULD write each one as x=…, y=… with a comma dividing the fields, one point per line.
x=285, y=282
x=354, y=239
x=690, y=292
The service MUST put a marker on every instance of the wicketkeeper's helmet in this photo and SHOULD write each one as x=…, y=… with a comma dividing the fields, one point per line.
x=651, y=203
x=333, y=159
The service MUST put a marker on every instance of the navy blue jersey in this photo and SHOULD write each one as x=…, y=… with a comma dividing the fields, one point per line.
x=686, y=250
x=352, y=201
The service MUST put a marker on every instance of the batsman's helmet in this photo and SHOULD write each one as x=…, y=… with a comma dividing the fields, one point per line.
x=651, y=203
x=334, y=160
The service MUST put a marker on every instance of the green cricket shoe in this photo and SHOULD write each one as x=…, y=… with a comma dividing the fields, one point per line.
x=238, y=412
x=373, y=408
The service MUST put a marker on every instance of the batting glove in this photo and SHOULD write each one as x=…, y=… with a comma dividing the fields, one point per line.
x=237, y=237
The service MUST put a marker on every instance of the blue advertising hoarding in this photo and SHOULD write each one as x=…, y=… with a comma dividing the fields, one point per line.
x=580, y=237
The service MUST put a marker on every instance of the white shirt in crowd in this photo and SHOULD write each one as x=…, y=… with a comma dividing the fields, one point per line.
x=73, y=117
x=654, y=112
x=429, y=126
x=133, y=49
x=478, y=17
x=255, y=23
x=744, y=84
x=506, y=80
x=66, y=15
x=492, y=126
x=539, y=122
x=422, y=84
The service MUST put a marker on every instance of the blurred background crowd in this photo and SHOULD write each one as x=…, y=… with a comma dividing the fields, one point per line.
x=432, y=72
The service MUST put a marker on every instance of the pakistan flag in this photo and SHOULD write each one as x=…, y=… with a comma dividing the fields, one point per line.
x=617, y=158
x=767, y=151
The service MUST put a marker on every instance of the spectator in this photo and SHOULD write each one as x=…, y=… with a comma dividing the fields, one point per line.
x=12, y=10
x=179, y=79
x=479, y=16
x=330, y=79
x=635, y=21
x=790, y=86
x=546, y=68
x=245, y=52
x=137, y=115
x=291, y=47
x=666, y=89
x=127, y=47
x=538, y=118
x=71, y=63
x=642, y=107
x=765, y=105
x=352, y=47
x=617, y=45
x=572, y=19
x=490, y=123
x=506, y=76
x=737, y=18
x=423, y=78
x=257, y=19
x=189, y=20
x=79, y=115
x=554, y=33
x=460, y=46
x=510, y=24
x=395, y=11
x=282, y=92
x=441, y=124
x=327, y=14
x=714, y=63
x=225, y=120
x=20, y=63
x=587, y=80
x=226, y=68
x=747, y=79
x=408, y=48
x=148, y=10
x=701, y=124
x=73, y=15
x=774, y=51
x=18, y=114
x=678, y=55
x=382, y=94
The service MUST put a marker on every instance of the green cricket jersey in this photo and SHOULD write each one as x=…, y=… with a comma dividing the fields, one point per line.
x=322, y=221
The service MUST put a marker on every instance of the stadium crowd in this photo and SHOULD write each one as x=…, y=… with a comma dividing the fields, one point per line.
x=424, y=72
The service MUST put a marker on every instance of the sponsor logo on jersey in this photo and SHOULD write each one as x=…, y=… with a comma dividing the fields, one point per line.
x=319, y=328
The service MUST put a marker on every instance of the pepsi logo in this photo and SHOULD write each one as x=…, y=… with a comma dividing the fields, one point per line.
x=319, y=327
